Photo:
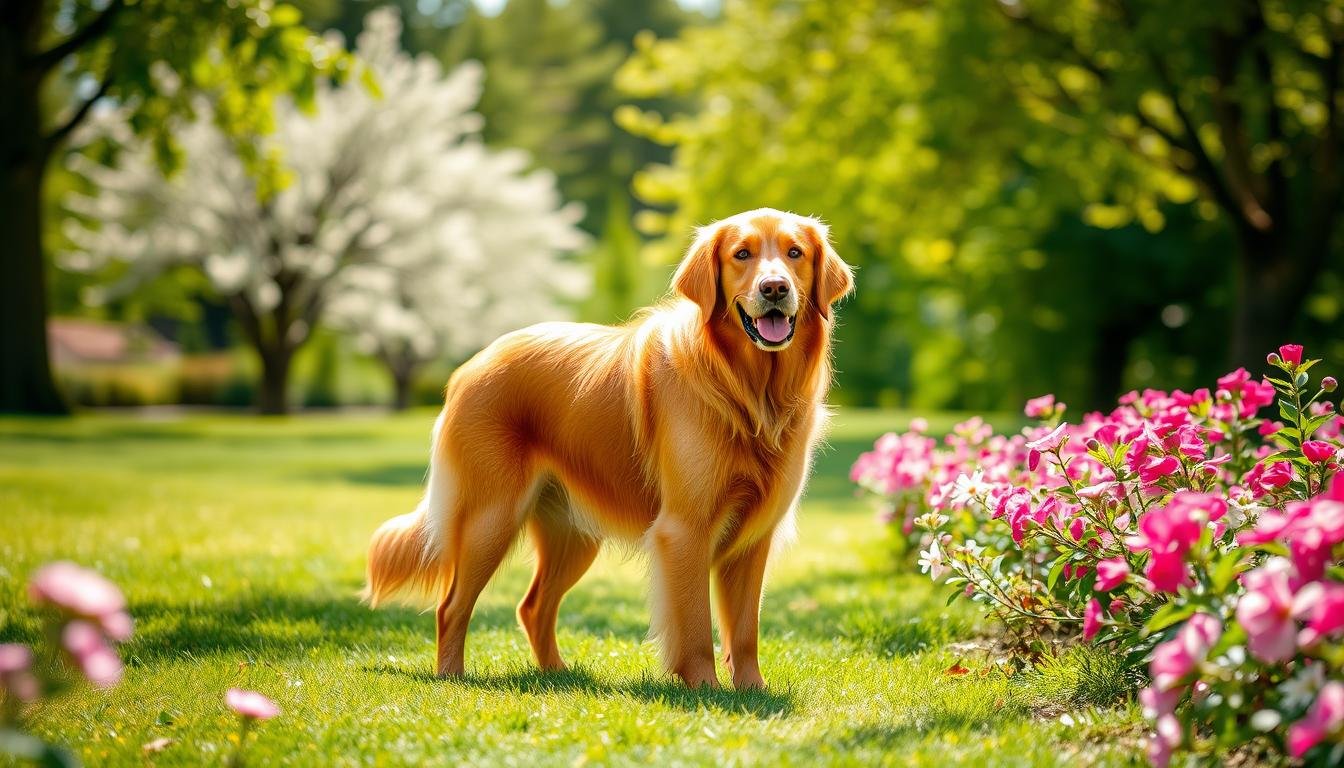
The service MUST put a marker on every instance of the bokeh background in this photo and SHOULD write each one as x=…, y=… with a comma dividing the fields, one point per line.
x=324, y=203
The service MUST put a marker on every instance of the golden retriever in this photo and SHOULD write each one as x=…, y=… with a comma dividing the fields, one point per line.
x=689, y=429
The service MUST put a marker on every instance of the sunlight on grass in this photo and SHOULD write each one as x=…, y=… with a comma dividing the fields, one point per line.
x=240, y=545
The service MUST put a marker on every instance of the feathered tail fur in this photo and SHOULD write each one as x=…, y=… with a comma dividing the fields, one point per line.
x=408, y=555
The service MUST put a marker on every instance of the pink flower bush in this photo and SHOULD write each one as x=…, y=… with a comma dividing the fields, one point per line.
x=1188, y=530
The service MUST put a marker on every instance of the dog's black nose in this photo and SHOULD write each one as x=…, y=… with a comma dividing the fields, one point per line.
x=774, y=288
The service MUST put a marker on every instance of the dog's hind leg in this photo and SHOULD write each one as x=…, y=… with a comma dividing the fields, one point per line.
x=486, y=528
x=564, y=554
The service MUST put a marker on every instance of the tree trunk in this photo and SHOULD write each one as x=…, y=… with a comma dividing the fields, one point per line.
x=273, y=397
x=402, y=378
x=26, y=383
x=1273, y=280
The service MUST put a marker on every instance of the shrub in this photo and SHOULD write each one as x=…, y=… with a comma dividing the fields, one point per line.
x=1181, y=530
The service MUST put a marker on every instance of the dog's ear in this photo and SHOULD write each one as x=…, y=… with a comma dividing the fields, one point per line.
x=697, y=277
x=832, y=278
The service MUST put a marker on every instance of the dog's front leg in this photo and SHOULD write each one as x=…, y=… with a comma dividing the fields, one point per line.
x=680, y=555
x=738, y=580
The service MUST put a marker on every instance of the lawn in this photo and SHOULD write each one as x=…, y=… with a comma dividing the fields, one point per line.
x=240, y=545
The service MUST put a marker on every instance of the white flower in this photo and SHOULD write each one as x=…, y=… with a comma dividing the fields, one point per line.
x=968, y=489
x=931, y=561
x=971, y=549
x=931, y=520
x=1300, y=690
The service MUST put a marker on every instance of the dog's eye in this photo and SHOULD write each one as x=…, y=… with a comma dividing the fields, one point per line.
x=795, y=253
x=742, y=255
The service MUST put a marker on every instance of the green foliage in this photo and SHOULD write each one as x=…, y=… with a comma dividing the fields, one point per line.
x=155, y=56
x=622, y=280
x=548, y=89
x=1014, y=180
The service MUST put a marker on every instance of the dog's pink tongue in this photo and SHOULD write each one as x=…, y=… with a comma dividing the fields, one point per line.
x=773, y=328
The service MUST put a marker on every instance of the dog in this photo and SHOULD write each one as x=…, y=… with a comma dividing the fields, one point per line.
x=689, y=430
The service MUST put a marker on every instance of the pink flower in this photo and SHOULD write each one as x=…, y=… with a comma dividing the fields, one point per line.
x=1268, y=428
x=1276, y=475
x=1040, y=406
x=87, y=646
x=1318, y=451
x=1231, y=382
x=250, y=704
x=1200, y=506
x=1168, y=533
x=1091, y=619
x=1266, y=612
x=1321, y=605
x=1165, y=738
x=1255, y=396
x=1156, y=468
x=1291, y=354
x=16, y=676
x=1157, y=702
x=1323, y=719
x=1178, y=657
x=75, y=590
x=1111, y=573
x=1167, y=572
x=1047, y=442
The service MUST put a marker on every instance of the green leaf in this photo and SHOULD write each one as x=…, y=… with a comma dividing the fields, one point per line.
x=1056, y=569
x=1287, y=411
x=1225, y=571
x=1313, y=423
x=1167, y=615
x=285, y=15
x=370, y=81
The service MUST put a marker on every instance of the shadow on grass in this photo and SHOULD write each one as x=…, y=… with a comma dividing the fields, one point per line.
x=665, y=691
x=285, y=624
x=870, y=614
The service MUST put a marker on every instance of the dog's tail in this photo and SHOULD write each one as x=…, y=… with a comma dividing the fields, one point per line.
x=408, y=555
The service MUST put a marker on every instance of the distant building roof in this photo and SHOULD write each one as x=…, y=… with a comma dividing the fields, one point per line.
x=76, y=341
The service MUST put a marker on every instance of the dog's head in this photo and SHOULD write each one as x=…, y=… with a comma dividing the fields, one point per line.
x=768, y=268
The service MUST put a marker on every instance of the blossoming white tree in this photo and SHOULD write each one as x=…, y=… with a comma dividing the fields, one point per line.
x=396, y=222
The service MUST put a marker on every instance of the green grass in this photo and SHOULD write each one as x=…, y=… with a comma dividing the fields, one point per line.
x=240, y=545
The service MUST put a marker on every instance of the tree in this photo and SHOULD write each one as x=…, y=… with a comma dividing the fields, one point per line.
x=494, y=264
x=244, y=52
x=381, y=184
x=1240, y=98
x=956, y=148
x=549, y=88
